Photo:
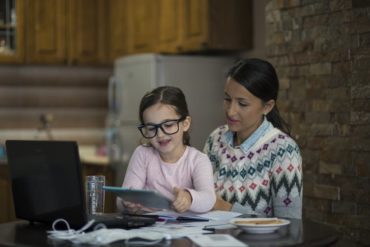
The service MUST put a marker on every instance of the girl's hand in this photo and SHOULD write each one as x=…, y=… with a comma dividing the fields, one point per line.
x=182, y=200
x=136, y=208
x=130, y=207
x=221, y=204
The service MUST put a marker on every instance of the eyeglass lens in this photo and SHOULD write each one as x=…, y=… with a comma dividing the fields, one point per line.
x=169, y=127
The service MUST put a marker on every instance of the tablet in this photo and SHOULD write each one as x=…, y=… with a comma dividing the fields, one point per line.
x=147, y=198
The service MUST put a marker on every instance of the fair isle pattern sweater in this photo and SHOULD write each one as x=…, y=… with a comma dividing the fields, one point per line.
x=265, y=179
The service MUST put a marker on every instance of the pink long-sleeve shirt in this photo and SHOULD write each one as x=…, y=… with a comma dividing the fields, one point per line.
x=193, y=172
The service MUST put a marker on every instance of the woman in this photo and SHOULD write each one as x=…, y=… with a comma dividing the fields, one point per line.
x=257, y=165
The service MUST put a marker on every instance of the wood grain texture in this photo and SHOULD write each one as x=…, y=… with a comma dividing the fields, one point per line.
x=76, y=97
x=46, y=31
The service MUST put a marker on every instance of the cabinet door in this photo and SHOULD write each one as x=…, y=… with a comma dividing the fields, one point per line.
x=195, y=27
x=116, y=28
x=46, y=31
x=6, y=199
x=12, y=31
x=86, y=32
x=230, y=24
x=142, y=25
x=170, y=22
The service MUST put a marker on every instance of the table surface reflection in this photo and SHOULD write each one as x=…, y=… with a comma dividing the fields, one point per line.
x=298, y=233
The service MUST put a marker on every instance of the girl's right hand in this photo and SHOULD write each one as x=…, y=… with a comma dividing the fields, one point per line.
x=182, y=201
x=135, y=208
x=130, y=207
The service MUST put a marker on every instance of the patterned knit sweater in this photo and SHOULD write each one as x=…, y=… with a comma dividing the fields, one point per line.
x=263, y=177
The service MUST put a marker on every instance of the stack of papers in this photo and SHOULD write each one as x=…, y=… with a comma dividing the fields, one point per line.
x=212, y=215
x=173, y=216
x=182, y=225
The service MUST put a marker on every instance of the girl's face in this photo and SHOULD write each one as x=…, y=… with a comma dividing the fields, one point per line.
x=244, y=111
x=170, y=147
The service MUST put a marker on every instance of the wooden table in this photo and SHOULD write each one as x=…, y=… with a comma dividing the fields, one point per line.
x=298, y=233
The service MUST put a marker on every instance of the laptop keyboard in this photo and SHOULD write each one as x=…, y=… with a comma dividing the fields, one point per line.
x=123, y=221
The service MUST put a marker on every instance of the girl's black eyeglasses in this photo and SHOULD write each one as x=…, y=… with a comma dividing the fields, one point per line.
x=169, y=127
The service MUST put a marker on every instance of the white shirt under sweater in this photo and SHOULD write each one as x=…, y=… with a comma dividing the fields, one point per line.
x=193, y=172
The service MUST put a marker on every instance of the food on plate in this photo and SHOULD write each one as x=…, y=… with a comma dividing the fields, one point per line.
x=273, y=221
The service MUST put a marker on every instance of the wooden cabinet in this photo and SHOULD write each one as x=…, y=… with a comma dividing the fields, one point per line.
x=86, y=32
x=46, y=31
x=169, y=26
x=11, y=31
x=66, y=31
x=195, y=25
x=99, y=31
x=204, y=25
x=6, y=199
x=76, y=32
x=142, y=19
x=116, y=27
x=183, y=26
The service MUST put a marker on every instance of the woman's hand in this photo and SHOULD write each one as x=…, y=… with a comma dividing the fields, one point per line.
x=182, y=200
x=221, y=204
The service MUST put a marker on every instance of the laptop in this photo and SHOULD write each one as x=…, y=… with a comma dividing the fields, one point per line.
x=47, y=185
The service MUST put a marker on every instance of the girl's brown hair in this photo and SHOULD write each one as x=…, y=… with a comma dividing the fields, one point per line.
x=170, y=96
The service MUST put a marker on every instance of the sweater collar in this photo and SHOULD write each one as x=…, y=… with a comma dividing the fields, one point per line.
x=252, y=139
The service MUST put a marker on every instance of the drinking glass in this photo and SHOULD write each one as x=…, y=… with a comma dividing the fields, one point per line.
x=95, y=194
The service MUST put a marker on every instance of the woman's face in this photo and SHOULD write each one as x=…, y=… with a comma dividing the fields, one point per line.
x=170, y=147
x=244, y=111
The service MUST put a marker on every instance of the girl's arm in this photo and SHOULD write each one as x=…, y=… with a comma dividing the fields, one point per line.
x=203, y=195
x=136, y=171
x=135, y=175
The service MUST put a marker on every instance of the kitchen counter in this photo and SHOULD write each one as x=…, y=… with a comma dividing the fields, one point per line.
x=88, y=156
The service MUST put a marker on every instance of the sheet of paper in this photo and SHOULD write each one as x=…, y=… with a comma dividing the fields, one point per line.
x=177, y=230
x=168, y=214
x=211, y=215
x=219, y=215
x=216, y=240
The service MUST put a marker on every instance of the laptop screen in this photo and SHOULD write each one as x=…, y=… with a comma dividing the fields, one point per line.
x=46, y=180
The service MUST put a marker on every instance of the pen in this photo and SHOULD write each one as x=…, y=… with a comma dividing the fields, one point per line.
x=182, y=218
x=212, y=229
x=216, y=226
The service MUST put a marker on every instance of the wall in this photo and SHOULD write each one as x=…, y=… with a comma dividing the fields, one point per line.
x=76, y=97
x=258, y=48
x=321, y=50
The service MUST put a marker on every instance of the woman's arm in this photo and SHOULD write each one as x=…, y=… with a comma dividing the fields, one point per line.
x=287, y=185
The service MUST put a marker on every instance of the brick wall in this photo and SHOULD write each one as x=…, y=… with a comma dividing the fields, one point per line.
x=321, y=50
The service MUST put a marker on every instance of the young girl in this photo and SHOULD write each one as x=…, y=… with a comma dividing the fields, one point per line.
x=167, y=163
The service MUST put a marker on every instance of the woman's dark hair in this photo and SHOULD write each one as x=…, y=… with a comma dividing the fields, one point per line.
x=170, y=96
x=259, y=77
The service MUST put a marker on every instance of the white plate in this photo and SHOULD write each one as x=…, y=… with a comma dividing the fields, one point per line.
x=259, y=225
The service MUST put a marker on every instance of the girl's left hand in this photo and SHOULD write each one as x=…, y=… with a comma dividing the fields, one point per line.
x=182, y=200
x=221, y=204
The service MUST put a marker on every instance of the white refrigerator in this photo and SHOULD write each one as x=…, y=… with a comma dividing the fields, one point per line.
x=201, y=78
